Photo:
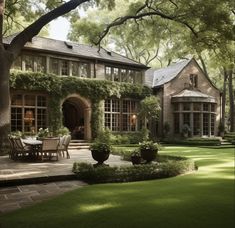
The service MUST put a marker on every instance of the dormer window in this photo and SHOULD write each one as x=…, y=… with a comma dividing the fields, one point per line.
x=194, y=80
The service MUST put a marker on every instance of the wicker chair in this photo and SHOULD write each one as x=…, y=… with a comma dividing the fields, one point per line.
x=50, y=148
x=64, y=144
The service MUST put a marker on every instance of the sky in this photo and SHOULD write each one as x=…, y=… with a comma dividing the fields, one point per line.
x=59, y=29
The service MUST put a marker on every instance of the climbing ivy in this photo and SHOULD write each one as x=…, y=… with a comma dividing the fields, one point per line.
x=59, y=88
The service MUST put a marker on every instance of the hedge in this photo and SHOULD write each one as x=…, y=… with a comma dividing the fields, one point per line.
x=106, y=174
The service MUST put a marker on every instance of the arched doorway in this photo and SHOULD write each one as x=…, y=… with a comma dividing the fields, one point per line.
x=76, y=117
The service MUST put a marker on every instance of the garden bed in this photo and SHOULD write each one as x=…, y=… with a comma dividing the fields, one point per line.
x=168, y=166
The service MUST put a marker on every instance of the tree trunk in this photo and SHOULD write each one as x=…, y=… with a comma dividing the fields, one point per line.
x=224, y=97
x=231, y=100
x=5, y=98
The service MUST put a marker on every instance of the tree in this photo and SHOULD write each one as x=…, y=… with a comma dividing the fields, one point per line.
x=52, y=9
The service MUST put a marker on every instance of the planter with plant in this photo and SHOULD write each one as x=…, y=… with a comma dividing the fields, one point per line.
x=135, y=157
x=100, y=152
x=148, y=150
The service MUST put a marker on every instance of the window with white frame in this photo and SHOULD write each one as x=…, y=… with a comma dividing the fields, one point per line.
x=120, y=114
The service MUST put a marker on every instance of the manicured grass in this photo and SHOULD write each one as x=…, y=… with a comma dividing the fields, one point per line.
x=203, y=199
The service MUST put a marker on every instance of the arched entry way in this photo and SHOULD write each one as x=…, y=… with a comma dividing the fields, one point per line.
x=76, y=117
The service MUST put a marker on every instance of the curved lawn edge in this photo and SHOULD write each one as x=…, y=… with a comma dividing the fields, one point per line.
x=168, y=166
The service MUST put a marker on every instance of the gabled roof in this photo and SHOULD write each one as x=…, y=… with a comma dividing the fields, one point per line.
x=155, y=78
x=76, y=50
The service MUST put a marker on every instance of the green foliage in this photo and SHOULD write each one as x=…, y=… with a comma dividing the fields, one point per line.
x=106, y=174
x=62, y=131
x=148, y=145
x=194, y=141
x=59, y=88
x=42, y=133
x=150, y=107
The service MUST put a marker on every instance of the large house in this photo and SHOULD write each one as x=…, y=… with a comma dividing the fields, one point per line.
x=31, y=109
x=187, y=96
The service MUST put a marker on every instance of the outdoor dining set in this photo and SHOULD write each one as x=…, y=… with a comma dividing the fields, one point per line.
x=44, y=149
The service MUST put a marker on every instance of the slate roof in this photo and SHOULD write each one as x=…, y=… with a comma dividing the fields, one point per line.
x=192, y=93
x=75, y=49
x=186, y=93
x=156, y=78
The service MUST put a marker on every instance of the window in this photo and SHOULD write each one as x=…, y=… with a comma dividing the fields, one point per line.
x=29, y=66
x=212, y=107
x=176, y=107
x=54, y=66
x=108, y=73
x=194, y=80
x=75, y=69
x=197, y=107
x=186, y=118
x=131, y=76
x=28, y=112
x=116, y=75
x=196, y=124
x=138, y=77
x=40, y=63
x=64, y=67
x=176, y=123
x=123, y=75
x=205, y=107
x=212, y=124
x=205, y=123
x=120, y=115
x=84, y=70
x=186, y=106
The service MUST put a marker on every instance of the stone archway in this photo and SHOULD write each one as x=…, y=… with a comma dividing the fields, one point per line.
x=77, y=116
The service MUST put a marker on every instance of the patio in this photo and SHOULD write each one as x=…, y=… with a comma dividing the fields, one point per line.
x=21, y=172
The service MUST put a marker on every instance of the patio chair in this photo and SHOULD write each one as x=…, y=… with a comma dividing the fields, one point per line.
x=49, y=148
x=64, y=145
x=18, y=148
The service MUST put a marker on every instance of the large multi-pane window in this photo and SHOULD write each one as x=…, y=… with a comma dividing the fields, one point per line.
x=80, y=69
x=31, y=63
x=28, y=112
x=120, y=115
x=123, y=75
x=200, y=118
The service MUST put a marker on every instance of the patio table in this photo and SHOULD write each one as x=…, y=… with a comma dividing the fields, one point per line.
x=35, y=146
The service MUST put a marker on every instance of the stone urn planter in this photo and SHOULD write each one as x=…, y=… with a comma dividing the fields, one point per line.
x=135, y=158
x=100, y=152
x=148, y=151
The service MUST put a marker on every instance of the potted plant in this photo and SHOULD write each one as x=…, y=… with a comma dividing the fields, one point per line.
x=186, y=130
x=100, y=152
x=148, y=150
x=43, y=133
x=135, y=157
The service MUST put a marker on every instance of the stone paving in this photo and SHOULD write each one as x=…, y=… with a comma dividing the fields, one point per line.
x=12, y=198
x=17, y=197
x=10, y=170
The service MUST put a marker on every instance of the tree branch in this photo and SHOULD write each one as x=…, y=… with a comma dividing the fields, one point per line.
x=32, y=30
x=122, y=20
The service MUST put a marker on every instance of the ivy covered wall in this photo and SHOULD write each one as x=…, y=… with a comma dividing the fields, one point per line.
x=58, y=88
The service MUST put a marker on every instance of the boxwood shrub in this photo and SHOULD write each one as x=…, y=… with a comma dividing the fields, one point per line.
x=194, y=141
x=107, y=174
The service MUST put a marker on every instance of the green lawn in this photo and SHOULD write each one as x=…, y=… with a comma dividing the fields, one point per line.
x=201, y=199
